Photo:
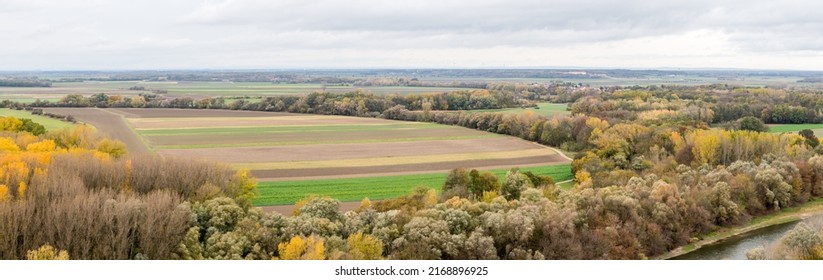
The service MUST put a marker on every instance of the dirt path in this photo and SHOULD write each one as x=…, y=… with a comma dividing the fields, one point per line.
x=107, y=123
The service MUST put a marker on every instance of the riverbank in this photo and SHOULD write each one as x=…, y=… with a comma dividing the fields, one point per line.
x=811, y=208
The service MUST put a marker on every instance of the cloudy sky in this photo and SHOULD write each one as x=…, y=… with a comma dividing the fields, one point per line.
x=245, y=34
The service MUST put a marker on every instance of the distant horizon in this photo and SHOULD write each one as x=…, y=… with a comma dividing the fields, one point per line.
x=320, y=68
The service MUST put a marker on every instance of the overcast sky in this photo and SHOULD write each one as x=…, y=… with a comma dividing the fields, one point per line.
x=245, y=34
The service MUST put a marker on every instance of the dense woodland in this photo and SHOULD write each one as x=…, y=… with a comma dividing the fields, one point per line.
x=652, y=174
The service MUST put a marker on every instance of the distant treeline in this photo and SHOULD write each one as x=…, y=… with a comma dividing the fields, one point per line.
x=709, y=104
x=24, y=83
x=811, y=80
x=353, y=103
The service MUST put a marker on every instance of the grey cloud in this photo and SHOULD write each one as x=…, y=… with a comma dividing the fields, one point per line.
x=212, y=33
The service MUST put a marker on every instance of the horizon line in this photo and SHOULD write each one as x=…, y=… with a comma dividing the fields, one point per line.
x=664, y=68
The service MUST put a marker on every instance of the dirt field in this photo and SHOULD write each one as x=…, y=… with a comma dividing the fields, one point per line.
x=283, y=146
x=279, y=120
x=316, y=136
x=344, y=172
x=189, y=113
x=108, y=123
x=353, y=151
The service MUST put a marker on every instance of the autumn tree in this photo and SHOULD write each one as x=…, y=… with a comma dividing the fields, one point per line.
x=752, y=124
x=302, y=248
x=364, y=247
x=47, y=252
x=811, y=139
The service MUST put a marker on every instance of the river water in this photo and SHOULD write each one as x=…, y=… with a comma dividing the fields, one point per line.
x=735, y=248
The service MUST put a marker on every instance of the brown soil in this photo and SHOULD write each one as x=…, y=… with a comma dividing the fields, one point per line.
x=308, y=120
x=307, y=173
x=107, y=123
x=311, y=136
x=190, y=113
x=351, y=151
x=143, y=118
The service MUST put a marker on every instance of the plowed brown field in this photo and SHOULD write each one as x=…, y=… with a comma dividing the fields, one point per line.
x=283, y=146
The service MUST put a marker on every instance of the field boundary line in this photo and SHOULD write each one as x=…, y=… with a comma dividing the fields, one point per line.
x=131, y=128
x=558, y=151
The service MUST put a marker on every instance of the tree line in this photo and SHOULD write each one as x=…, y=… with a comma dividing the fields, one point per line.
x=24, y=83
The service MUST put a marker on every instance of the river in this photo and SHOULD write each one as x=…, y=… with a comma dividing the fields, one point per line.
x=735, y=248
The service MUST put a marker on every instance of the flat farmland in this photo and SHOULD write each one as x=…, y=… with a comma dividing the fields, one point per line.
x=794, y=128
x=294, y=155
x=107, y=123
x=283, y=146
x=379, y=187
x=195, y=89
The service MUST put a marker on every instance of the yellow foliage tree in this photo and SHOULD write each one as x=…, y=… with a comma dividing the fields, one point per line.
x=23, y=139
x=81, y=136
x=583, y=178
x=706, y=145
x=8, y=145
x=47, y=252
x=14, y=173
x=364, y=247
x=300, y=203
x=246, y=186
x=431, y=198
x=364, y=204
x=4, y=192
x=677, y=140
x=10, y=124
x=300, y=248
x=21, y=190
x=488, y=196
x=114, y=148
x=42, y=146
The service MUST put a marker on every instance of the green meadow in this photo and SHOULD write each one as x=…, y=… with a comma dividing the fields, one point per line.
x=375, y=188
x=48, y=123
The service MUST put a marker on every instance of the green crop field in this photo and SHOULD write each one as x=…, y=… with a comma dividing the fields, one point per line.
x=545, y=109
x=382, y=187
x=780, y=128
x=48, y=123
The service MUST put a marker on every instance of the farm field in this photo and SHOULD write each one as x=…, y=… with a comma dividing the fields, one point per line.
x=107, y=123
x=381, y=187
x=282, y=146
x=793, y=128
x=48, y=123
x=545, y=109
x=292, y=147
x=687, y=80
x=195, y=89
